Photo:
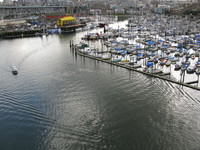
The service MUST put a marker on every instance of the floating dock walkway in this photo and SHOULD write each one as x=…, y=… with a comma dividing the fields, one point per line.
x=19, y=34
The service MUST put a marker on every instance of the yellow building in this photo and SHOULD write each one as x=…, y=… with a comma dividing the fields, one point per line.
x=66, y=20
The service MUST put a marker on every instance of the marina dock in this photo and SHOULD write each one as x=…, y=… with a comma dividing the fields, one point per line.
x=21, y=34
x=132, y=69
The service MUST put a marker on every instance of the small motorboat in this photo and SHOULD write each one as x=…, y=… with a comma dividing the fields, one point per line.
x=14, y=70
x=198, y=71
x=163, y=62
x=167, y=52
x=192, y=56
x=168, y=63
x=197, y=64
x=177, y=67
x=191, y=69
x=184, y=67
x=155, y=61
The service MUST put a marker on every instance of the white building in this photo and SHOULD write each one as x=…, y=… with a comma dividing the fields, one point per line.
x=7, y=2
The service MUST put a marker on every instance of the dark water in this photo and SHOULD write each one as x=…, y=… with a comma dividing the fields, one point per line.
x=61, y=101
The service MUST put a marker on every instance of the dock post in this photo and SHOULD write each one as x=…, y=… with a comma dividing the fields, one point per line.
x=183, y=76
x=73, y=47
x=101, y=46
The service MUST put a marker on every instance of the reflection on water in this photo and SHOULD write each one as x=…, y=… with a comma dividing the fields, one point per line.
x=63, y=101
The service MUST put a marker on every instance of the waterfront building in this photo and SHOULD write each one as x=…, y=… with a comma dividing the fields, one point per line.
x=66, y=20
x=7, y=2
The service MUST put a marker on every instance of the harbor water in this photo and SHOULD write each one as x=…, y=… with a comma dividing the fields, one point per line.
x=63, y=101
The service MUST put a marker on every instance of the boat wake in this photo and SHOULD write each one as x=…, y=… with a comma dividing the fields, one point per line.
x=33, y=52
x=21, y=109
x=6, y=68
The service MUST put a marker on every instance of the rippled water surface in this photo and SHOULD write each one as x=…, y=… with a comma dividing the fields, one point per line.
x=60, y=100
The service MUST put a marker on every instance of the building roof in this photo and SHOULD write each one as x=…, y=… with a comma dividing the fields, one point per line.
x=67, y=18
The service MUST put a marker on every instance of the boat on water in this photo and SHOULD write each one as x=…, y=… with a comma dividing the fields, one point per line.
x=177, y=66
x=168, y=63
x=198, y=71
x=163, y=62
x=191, y=69
x=14, y=70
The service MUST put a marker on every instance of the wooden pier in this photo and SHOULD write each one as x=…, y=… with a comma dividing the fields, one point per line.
x=20, y=34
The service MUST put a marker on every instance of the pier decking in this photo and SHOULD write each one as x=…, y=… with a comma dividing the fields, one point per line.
x=19, y=34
